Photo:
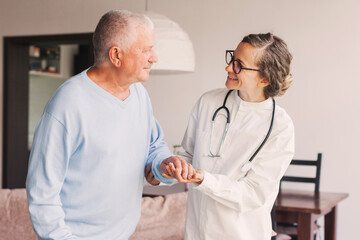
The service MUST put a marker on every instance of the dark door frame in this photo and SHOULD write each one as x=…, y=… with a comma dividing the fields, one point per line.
x=16, y=101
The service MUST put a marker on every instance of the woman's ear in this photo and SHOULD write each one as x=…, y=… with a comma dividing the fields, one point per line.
x=115, y=56
x=263, y=82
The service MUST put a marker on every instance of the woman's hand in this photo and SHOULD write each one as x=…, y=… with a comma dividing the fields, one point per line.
x=173, y=172
x=184, y=170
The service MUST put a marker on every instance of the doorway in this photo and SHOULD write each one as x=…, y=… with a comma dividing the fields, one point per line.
x=18, y=64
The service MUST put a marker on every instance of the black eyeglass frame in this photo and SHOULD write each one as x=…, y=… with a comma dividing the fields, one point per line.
x=237, y=60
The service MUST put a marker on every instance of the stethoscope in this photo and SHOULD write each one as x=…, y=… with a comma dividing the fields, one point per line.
x=247, y=165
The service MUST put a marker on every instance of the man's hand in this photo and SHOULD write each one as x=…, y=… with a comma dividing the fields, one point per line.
x=150, y=176
x=183, y=170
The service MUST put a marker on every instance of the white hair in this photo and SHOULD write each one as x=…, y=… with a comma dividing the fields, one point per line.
x=117, y=27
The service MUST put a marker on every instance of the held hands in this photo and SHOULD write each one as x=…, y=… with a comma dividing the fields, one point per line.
x=176, y=167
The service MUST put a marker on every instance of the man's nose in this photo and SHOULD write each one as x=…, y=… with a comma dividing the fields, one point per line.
x=153, y=58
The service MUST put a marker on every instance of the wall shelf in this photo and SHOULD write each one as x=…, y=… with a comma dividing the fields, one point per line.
x=60, y=58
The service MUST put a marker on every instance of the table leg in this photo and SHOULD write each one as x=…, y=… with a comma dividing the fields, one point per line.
x=305, y=227
x=330, y=225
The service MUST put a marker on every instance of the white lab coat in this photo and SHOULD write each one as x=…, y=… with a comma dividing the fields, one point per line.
x=231, y=203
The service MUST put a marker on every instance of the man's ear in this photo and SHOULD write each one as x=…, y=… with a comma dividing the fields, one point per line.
x=115, y=56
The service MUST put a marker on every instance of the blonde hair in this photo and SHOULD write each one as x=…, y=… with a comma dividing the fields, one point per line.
x=117, y=27
x=273, y=62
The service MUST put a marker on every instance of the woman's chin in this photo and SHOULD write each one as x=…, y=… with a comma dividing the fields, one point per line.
x=231, y=84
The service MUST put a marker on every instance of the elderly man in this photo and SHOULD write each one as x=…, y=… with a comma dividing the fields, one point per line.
x=95, y=138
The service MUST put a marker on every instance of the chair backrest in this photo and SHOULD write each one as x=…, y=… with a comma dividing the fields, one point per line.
x=315, y=180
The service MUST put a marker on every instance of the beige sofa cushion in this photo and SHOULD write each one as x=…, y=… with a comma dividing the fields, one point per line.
x=161, y=217
x=15, y=221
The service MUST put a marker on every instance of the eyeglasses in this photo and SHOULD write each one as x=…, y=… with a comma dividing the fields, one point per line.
x=237, y=67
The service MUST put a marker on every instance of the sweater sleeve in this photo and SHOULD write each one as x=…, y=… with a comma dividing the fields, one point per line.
x=48, y=164
x=158, y=151
x=260, y=184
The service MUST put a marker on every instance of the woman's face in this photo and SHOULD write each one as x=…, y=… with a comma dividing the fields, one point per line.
x=248, y=82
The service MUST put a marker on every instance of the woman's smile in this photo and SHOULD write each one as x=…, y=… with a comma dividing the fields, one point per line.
x=232, y=78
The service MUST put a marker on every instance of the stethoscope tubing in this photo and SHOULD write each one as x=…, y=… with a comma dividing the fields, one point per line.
x=268, y=133
x=227, y=127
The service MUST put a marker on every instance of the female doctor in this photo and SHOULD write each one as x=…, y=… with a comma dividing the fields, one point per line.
x=240, y=143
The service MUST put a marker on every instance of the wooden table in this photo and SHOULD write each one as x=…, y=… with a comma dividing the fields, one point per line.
x=305, y=207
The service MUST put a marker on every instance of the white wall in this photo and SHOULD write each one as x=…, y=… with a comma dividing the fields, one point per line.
x=323, y=36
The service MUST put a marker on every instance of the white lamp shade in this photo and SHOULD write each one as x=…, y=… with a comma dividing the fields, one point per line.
x=173, y=46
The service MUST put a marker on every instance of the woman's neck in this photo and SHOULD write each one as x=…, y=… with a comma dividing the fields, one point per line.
x=253, y=97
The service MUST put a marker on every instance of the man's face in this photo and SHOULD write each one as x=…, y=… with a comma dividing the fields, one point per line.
x=136, y=62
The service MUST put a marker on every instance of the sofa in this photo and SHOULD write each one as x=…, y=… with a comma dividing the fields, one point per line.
x=162, y=217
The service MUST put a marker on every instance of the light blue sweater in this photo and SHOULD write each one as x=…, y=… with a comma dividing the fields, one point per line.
x=86, y=168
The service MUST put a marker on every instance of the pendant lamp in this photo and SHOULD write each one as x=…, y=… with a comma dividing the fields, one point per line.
x=173, y=46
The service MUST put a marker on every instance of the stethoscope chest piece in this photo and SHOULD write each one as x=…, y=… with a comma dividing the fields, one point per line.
x=246, y=167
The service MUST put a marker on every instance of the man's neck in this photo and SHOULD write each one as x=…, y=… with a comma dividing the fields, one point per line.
x=105, y=77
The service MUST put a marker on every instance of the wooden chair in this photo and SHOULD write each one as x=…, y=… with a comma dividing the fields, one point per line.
x=284, y=229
